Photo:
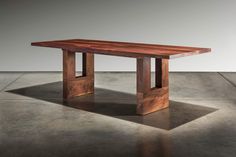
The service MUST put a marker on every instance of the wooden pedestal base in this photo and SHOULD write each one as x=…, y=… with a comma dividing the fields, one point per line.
x=148, y=99
x=76, y=86
x=156, y=98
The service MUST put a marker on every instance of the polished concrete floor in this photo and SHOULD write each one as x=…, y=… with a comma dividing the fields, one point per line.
x=35, y=121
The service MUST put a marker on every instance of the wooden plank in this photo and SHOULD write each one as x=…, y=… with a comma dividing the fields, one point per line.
x=143, y=74
x=88, y=64
x=68, y=65
x=161, y=73
x=79, y=86
x=123, y=48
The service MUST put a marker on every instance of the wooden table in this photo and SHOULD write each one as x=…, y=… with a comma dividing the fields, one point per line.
x=149, y=99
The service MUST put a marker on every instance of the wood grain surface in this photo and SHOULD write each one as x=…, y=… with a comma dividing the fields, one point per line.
x=123, y=48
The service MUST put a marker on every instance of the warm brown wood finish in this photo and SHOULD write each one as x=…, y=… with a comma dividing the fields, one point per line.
x=161, y=72
x=123, y=48
x=148, y=99
x=152, y=99
x=76, y=86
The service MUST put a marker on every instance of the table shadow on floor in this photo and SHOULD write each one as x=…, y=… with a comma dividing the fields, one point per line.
x=119, y=105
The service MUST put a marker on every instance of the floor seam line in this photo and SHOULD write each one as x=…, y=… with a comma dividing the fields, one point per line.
x=225, y=78
x=12, y=82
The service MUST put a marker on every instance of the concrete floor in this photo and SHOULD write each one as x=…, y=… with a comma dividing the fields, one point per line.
x=35, y=121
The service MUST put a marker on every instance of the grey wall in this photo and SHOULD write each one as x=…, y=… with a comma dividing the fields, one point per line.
x=205, y=23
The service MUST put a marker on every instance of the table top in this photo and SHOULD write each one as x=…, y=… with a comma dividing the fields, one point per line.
x=123, y=48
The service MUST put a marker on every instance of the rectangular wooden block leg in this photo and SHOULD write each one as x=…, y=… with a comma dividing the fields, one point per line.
x=152, y=99
x=76, y=86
